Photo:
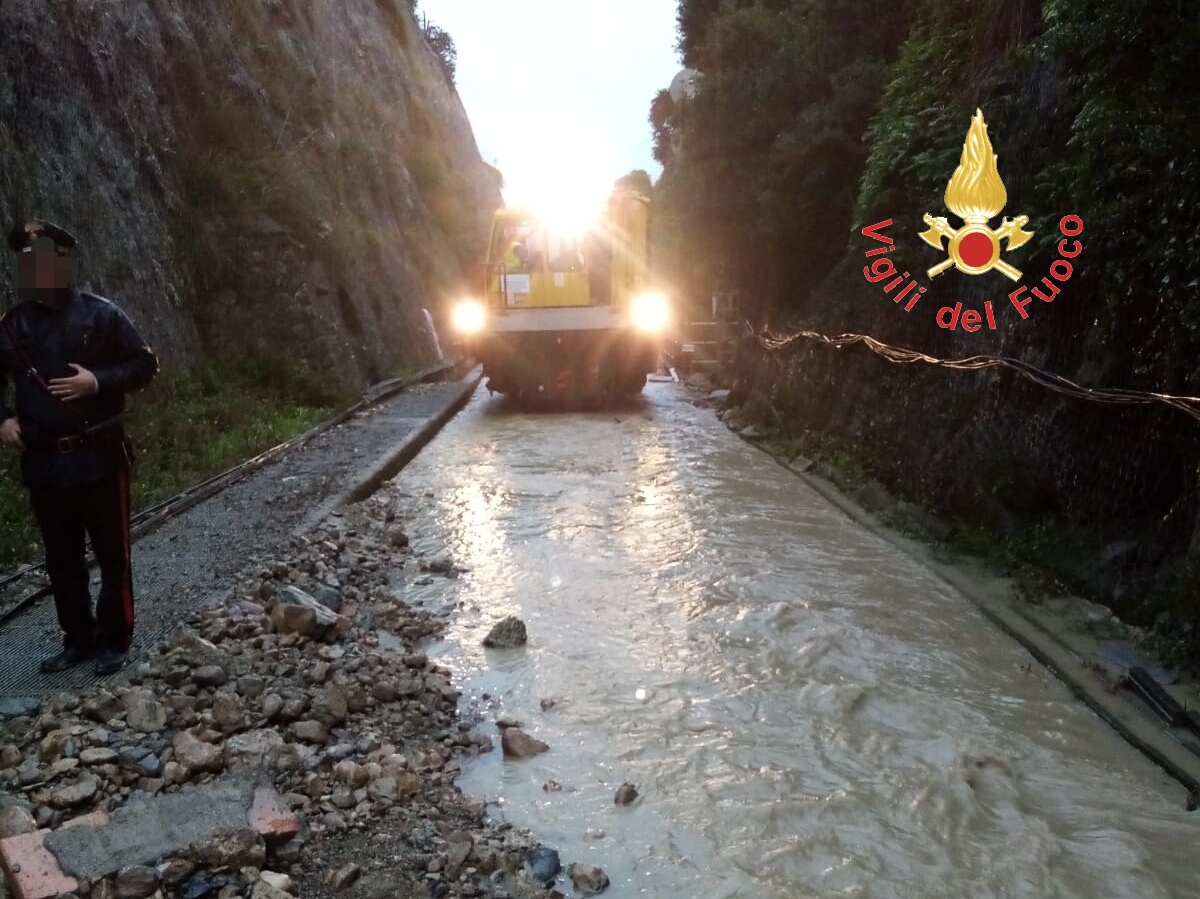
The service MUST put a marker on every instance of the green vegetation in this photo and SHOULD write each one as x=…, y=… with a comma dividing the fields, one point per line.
x=814, y=118
x=1126, y=160
x=185, y=428
x=19, y=540
x=771, y=144
x=441, y=43
x=1135, y=159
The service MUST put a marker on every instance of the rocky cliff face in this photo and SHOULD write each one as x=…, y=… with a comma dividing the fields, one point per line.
x=292, y=179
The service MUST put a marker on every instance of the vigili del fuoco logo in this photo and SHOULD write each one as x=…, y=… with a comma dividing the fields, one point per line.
x=976, y=195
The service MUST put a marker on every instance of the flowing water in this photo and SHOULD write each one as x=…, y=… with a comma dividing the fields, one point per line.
x=804, y=710
x=437, y=341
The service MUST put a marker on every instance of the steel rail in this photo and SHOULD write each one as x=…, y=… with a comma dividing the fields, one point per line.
x=146, y=520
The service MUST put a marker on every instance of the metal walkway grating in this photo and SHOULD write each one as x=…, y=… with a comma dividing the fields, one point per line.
x=35, y=635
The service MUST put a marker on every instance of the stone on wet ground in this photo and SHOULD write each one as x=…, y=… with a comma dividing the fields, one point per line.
x=543, y=864
x=719, y=398
x=507, y=633
x=519, y=745
x=588, y=879
x=359, y=744
x=626, y=793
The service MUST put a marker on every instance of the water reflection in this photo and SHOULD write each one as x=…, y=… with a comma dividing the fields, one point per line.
x=804, y=711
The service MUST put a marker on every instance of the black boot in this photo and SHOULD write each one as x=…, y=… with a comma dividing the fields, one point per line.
x=68, y=658
x=110, y=661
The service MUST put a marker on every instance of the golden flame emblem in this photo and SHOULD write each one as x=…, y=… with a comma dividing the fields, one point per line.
x=976, y=194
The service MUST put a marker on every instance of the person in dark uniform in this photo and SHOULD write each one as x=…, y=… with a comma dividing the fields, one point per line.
x=72, y=356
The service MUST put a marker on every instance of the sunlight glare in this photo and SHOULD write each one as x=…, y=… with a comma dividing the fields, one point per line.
x=574, y=177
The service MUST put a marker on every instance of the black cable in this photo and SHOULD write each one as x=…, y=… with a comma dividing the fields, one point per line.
x=1187, y=404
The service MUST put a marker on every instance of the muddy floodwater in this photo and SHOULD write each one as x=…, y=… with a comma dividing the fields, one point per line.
x=805, y=711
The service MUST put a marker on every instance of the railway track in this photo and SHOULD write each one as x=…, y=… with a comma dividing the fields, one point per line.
x=147, y=520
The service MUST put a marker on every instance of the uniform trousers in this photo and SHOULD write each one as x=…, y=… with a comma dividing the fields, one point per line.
x=101, y=511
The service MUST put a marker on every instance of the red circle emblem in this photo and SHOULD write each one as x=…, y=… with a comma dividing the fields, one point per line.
x=975, y=250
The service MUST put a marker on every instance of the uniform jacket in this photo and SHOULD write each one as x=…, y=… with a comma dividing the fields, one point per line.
x=92, y=332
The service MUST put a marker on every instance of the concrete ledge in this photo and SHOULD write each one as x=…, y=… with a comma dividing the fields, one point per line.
x=996, y=602
x=368, y=481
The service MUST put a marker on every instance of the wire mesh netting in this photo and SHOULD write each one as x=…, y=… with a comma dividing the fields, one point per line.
x=982, y=432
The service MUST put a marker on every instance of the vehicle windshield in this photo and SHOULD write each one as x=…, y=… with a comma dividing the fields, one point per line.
x=526, y=245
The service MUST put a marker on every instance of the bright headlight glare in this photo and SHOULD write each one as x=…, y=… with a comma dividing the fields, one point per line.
x=468, y=317
x=650, y=312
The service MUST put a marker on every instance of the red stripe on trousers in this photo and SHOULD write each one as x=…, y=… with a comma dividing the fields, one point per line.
x=126, y=582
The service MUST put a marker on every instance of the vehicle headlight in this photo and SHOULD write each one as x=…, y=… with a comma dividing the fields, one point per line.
x=650, y=312
x=468, y=317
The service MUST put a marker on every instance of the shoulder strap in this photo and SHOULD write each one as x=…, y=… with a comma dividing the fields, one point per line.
x=32, y=371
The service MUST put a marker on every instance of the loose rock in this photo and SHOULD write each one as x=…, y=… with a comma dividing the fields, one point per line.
x=344, y=877
x=272, y=706
x=519, y=745
x=543, y=864
x=144, y=712
x=210, y=676
x=98, y=755
x=227, y=712
x=507, y=633
x=231, y=689
x=330, y=598
x=195, y=755
x=588, y=879
x=254, y=748
x=136, y=882
x=18, y=707
x=310, y=732
x=458, y=850
x=77, y=793
x=264, y=890
x=15, y=820
x=280, y=882
x=299, y=613
x=176, y=871
x=231, y=848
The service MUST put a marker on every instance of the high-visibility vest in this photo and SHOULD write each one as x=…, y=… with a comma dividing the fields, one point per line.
x=512, y=262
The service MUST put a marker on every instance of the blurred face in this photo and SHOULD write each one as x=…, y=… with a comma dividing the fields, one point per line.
x=41, y=271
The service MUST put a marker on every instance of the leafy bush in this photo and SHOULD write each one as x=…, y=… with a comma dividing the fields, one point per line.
x=442, y=44
x=771, y=145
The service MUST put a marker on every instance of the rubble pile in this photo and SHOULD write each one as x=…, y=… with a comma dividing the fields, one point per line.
x=286, y=681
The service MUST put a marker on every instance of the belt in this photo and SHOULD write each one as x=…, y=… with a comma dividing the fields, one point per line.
x=72, y=442
x=69, y=444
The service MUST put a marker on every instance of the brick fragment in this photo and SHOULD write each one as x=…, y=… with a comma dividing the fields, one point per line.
x=30, y=868
x=271, y=818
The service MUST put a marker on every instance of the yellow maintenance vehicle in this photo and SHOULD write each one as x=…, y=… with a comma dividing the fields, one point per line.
x=564, y=313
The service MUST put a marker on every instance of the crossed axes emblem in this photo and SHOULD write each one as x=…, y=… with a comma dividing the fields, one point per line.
x=982, y=248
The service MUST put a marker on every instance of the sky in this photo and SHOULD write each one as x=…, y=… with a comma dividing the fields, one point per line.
x=558, y=91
